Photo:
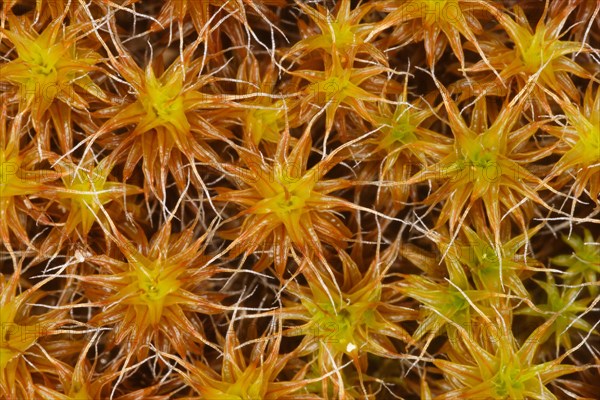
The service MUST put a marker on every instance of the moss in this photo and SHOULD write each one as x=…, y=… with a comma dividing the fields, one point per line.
x=271, y=199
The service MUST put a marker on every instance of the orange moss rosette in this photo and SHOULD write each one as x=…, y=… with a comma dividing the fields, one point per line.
x=299, y=200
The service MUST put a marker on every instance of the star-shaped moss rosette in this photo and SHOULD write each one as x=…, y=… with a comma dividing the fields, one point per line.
x=506, y=371
x=357, y=316
x=504, y=272
x=51, y=73
x=538, y=53
x=570, y=305
x=583, y=264
x=483, y=173
x=86, y=192
x=339, y=87
x=283, y=204
x=156, y=293
x=170, y=133
x=442, y=303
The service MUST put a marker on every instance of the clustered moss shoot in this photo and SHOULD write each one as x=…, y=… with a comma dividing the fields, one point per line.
x=282, y=199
